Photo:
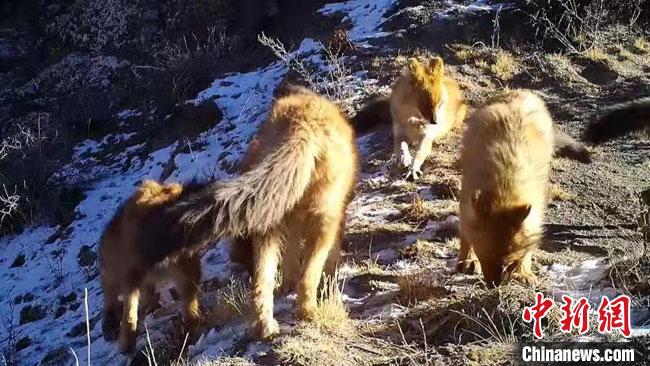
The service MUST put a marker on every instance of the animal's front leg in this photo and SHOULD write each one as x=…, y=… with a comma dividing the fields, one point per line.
x=423, y=151
x=401, y=154
x=266, y=248
x=128, y=327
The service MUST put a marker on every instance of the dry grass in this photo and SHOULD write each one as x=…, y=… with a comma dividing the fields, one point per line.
x=231, y=302
x=331, y=313
x=415, y=287
x=505, y=66
x=220, y=361
x=642, y=44
x=416, y=211
x=558, y=193
x=501, y=63
x=324, y=340
x=308, y=345
x=596, y=54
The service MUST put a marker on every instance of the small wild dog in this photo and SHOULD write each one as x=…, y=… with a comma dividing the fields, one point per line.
x=303, y=167
x=121, y=262
x=425, y=105
x=506, y=155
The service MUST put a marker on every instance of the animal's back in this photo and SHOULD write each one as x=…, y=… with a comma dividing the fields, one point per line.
x=311, y=118
x=508, y=146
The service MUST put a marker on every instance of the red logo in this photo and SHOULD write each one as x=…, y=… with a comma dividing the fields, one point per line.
x=612, y=314
x=537, y=312
x=574, y=316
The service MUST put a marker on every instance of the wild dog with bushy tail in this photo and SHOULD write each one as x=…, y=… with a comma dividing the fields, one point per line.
x=297, y=190
x=505, y=158
x=425, y=105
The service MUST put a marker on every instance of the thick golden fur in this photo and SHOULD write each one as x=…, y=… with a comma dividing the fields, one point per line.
x=506, y=155
x=425, y=105
x=119, y=252
x=303, y=167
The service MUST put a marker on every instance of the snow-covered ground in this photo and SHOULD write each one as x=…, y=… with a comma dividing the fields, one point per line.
x=40, y=288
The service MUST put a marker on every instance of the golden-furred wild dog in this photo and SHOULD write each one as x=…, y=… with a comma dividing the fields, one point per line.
x=506, y=156
x=425, y=105
x=121, y=260
x=297, y=188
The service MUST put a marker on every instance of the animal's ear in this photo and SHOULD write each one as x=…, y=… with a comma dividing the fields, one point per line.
x=518, y=214
x=414, y=65
x=481, y=203
x=436, y=67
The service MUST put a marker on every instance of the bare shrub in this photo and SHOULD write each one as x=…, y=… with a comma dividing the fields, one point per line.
x=332, y=77
x=579, y=25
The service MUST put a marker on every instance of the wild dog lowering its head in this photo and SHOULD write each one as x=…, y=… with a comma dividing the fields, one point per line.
x=506, y=155
x=424, y=105
x=124, y=271
x=303, y=171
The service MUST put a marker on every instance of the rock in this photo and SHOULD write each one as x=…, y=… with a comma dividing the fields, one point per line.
x=86, y=256
x=19, y=261
x=32, y=313
x=59, y=356
x=71, y=297
x=23, y=343
x=386, y=256
x=59, y=312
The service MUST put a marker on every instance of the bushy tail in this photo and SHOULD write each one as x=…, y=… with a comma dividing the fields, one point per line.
x=620, y=120
x=253, y=202
x=566, y=147
x=375, y=112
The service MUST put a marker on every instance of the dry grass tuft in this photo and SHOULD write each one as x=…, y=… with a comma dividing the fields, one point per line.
x=595, y=54
x=559, y=194
x=331, y=313
x=415, y=287
x=642, y=44
x=416, y=211
x=505, y=66
x=308, y=345
x=501, y=63
x=231, y=302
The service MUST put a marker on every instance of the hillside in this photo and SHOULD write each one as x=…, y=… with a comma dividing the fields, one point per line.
x=174, y=91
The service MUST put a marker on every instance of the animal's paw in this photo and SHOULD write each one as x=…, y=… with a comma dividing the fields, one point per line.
x=469, y=266
x=524, y=277
x=265, y=329
x=127, y=342
x=413, y=174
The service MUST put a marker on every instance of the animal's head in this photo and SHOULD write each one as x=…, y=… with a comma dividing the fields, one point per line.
x=428, y=81
x=503, y=240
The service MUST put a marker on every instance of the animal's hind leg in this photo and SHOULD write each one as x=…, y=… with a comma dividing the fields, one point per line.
x=266, y=249
x=129, y=324
x=292, y=254
x=188, y=281
x=112, y=310
x=322, y=233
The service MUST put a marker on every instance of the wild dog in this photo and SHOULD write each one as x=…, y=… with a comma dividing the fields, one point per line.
x=505, y=158
x=121, y=261
x=425, y=105
x=303, y=169
x=620, y=120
